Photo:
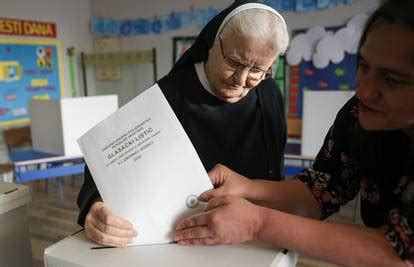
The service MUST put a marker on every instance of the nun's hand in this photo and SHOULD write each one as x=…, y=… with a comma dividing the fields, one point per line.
x=226, y=220
x=226, y=182
x=103, y=227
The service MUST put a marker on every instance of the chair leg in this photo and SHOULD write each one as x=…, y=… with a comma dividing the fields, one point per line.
x=46, y=185
x=44, y=166
x=59, y=185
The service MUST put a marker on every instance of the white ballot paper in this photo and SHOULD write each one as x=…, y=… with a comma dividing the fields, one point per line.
x=145, y=167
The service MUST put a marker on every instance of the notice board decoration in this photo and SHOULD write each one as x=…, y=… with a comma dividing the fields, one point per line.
x=28, y=69
x=280, y=74
x=11, y=26
x=313, y=75
x=180, y=45
x=321, y=59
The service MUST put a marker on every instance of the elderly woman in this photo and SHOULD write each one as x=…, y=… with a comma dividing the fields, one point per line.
x=370, y=149
x=221, y=92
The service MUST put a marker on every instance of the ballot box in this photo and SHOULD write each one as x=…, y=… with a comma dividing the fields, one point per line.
x=57, y=124
x=15, y=249
x=77, y=251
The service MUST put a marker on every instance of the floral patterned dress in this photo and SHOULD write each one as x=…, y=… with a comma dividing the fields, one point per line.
x=336, y=177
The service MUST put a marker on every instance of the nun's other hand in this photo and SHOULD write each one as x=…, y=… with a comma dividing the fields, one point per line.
x=103, y=227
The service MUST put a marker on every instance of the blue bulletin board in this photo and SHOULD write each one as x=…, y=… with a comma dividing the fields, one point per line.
x=28, y=69
x=305, y=76
x=339, y=76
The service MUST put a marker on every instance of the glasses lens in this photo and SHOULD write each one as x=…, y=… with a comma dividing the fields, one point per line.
x=234, y=64
x=254, y=74
x=258, y=74
x=268, y=74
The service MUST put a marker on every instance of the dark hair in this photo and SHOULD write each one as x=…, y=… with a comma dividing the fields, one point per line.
x=393, y=12
x=375, y=151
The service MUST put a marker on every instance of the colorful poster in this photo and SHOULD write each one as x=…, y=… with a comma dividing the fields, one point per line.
x=28, y=69
x=339, y=76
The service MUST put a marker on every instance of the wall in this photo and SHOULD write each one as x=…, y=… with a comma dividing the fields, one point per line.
x=124, y=9
x=129, y=9
x=72, y=21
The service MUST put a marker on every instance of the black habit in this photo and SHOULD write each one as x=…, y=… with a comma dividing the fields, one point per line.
x=248, y=136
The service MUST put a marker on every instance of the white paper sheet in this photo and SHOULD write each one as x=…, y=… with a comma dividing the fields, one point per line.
x=145, y=167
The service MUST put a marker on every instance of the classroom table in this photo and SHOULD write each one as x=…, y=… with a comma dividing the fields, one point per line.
x=77, y=250
x=32, y=165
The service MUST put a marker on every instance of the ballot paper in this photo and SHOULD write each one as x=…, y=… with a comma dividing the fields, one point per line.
x=145, y=167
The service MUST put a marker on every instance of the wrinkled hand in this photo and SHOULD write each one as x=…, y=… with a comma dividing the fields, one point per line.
x=103, y=227
x=226, y=182
x=226, y=220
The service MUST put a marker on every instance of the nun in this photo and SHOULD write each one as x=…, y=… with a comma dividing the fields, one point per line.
x=223, y=94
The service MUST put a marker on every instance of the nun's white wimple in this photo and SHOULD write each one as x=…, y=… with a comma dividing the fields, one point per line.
x=249, y=6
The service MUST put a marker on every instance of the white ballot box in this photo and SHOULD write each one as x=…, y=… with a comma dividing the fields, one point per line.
x=77, y=251
x=15, y=249
x=57, y=124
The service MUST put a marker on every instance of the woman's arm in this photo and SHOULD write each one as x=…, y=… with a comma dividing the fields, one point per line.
x=342, y=244
x=290, y=195
x=231, y=220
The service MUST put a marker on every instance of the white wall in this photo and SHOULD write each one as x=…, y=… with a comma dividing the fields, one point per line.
x=129, y=9
x=72, y=21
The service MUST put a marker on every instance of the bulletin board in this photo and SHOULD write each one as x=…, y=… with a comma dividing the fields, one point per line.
x=337, y=77
x=28, y=69
x=305, y=76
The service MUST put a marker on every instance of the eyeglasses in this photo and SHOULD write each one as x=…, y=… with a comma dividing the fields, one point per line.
x=254, y=73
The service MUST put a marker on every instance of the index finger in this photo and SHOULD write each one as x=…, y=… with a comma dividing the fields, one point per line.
x=193, y=221
x=217, y=202
x=209, y=194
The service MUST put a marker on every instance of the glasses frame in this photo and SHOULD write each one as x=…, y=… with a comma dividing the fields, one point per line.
x=235, y=64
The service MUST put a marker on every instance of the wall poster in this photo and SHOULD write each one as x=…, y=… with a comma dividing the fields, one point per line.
x=28, y=69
